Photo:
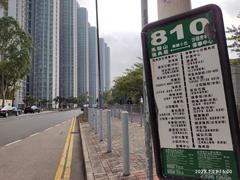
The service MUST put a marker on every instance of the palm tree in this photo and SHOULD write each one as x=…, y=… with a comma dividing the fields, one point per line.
x=56, y=101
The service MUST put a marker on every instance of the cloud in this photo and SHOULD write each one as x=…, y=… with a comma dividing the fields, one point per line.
x=231, y=7
x=125, y=47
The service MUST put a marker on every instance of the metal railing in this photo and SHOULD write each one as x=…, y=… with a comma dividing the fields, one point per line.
x=135, y=112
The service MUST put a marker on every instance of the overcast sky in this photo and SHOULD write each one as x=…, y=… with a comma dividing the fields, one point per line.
x=120, y=26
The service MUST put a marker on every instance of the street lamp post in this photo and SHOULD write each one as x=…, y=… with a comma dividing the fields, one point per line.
x=100, y=100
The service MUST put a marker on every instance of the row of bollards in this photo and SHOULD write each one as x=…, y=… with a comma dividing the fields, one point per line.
x=95, y=119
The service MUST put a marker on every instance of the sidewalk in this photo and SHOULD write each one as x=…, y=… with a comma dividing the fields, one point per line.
x=101, y=165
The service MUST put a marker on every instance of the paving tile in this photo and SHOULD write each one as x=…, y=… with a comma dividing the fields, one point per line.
x=102, y=165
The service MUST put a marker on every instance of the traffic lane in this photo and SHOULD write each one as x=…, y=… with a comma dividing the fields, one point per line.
x=19, y=127
x=35, y=157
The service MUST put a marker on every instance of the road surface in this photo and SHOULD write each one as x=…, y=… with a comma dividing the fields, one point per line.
x=31, y=146
x=14, y=128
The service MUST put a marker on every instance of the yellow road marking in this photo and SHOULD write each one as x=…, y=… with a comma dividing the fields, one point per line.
x=67, y=172
x=60, y=168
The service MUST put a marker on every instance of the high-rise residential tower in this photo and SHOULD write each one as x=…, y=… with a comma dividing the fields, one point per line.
x=44, y=19
x=93, y=66
x=68, y=48
x=107, y=68
x=102, y=63
x=82, y=52
x=3, y=12
x=18, y=10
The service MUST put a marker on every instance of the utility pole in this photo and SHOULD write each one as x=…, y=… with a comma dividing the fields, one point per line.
x=144, y=12
x=100, y=100
x=147, y=127
x=167, y=8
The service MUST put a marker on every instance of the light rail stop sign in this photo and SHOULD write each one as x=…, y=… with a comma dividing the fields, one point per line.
x=191, y=102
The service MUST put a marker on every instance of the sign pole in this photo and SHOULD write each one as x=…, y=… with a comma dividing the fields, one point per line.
x=147, y=127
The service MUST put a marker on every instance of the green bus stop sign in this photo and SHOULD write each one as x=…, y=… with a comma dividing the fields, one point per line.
x=191, y=101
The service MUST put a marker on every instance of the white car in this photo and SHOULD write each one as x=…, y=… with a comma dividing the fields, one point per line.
x=9, y=110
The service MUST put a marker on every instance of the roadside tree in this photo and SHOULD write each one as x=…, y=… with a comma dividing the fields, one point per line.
x=15, y=46
x=29, y=100
x=234, y=38
x=129, y=86
x=107, y=97
x=81, y=100
x=71, y=101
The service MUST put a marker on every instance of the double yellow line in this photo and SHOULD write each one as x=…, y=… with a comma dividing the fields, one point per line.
x=64, y=167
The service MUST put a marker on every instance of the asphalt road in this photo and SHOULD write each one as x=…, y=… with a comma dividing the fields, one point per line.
x=15, y=128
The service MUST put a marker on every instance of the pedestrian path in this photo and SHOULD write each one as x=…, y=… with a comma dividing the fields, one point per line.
x=101, y=165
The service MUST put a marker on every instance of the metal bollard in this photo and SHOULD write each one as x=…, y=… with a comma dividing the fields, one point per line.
x=114, y=112
x=141, y=114
x=92, y=117
x=100, y=125
x=119, y=113
x=95, y=120
x=125, y=141
x=109, y=127
x=88, y=115
x=131, y=113
x=92, y=120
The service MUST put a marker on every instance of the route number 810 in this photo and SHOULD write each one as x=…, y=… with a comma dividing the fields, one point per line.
x=159, y=37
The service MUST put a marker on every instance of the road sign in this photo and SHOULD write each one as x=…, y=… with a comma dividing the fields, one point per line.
x=192, y=108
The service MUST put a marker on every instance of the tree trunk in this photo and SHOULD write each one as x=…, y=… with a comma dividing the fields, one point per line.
x=3, y=91
x=13, y=98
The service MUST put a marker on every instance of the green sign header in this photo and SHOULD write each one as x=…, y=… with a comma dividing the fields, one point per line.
x=181, y=35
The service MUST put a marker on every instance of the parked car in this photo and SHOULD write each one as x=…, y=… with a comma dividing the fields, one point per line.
x=17, y=110
x=35, y=109
x=28, y=110
x=31, y=109
x=85, y=106
x=9, y=110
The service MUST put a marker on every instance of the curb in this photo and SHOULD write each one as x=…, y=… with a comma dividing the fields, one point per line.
x=88, y=167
